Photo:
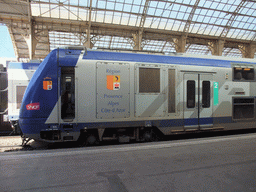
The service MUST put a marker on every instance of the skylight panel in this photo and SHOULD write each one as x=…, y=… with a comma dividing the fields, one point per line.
x=169, y=48
x=102, y=4
x=210, y=18
x=35, y=9
x=231, y=52
x=125, y=19
x=135, y=8
x=110, y=5
x=126, y=7
x=132, y=20
x=198, y=49
x=120, y=43
x=117, y=18
x=155, y=46
x=77, y=2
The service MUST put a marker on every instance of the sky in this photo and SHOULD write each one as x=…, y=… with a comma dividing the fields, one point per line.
x=6, y=47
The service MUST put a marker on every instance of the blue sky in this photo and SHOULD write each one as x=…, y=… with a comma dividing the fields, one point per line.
x=6, y=47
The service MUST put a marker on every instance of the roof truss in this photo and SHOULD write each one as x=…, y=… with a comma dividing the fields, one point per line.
x=147, y=25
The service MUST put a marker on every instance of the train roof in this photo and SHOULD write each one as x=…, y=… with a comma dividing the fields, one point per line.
x=180, y=59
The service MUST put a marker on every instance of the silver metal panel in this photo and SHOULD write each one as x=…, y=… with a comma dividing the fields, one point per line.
x=86, y=90
x=149, y=105
x=113, y=90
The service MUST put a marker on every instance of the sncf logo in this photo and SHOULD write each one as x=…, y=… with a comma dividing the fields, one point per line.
x=33, y=106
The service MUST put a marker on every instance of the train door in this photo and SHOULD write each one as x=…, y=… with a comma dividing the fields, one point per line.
x=67, y=94
x=198, y=110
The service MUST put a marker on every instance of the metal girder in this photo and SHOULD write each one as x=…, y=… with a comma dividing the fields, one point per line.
x=13, y=42
x=137, y=37
x=88, y=43
x=7, y=18
x=144, y=15
x=247, y=50
x=14, y=7
x=226, y=29
x=47, y=24
x=42, y=25
x=216, y=47
x=190, y=17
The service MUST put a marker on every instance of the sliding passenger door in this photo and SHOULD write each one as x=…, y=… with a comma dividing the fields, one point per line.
x=198, y=110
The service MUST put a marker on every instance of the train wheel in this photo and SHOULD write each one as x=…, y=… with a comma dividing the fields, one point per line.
x=91, y=140
x=88, y=139
x=147, y=136
x=151, y=135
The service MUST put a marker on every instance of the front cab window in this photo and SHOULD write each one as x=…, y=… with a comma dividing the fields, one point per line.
x=243, y=74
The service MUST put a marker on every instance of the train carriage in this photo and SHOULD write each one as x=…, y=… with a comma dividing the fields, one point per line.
x=90, y=96
x=19, y=76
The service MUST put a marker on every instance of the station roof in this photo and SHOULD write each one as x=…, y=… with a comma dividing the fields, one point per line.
x=115, y=24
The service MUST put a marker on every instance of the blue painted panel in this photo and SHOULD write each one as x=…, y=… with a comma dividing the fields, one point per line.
x=68, y=57
x=193, y=121
x=133, y=57
x=169, y=123
x=33, y=125
x=35, y=92
x=205, y=121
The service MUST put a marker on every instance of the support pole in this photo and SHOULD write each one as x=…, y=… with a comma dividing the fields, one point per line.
x=137, y=40
x=31, y=41
x=180, y=44
x=216, y=47
x=247, y=51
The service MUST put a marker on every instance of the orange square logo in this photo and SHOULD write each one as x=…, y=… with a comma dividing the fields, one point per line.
x=113, y=82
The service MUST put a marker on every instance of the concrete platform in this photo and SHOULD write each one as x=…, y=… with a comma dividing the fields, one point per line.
x=10, y=143
x=225, y=163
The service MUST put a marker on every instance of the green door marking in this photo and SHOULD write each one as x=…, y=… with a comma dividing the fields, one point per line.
x=215, y=93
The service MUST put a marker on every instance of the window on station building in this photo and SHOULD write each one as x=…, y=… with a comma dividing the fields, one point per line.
x=149, y=80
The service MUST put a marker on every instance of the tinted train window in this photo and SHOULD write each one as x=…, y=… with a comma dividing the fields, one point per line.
x=243, y=108
x=171, y=95
x=20, y=90
x=243, y=74
x=149, y=80
x=67, y=93
x=206, y=93
x=191, y=94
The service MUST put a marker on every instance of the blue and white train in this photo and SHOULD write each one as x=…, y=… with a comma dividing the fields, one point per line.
x=19, y=76
x=91, y=96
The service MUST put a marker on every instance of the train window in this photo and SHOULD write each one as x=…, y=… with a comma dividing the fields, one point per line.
x=243, y=74
x=191, y=94
x=171, y=95
x=243, y=108
x=67, y=93
x=20, y=90
x=206, y=93
x=149, y=80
